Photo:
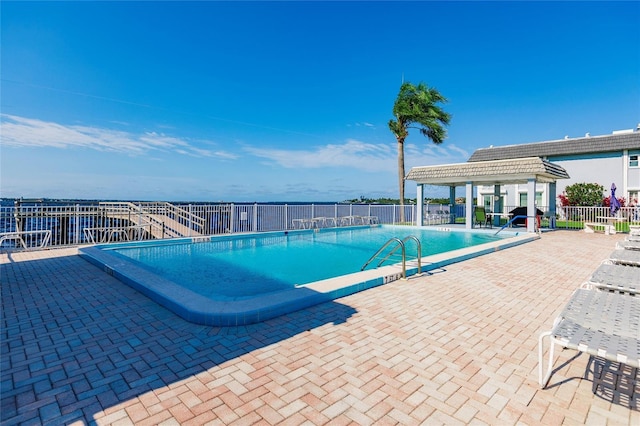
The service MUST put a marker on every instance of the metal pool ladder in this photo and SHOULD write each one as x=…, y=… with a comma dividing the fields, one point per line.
x=402, y=245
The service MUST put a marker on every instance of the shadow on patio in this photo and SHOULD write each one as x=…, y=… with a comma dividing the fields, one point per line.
x=76, y=341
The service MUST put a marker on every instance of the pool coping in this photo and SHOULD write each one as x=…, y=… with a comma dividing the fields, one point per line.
x=200, y=309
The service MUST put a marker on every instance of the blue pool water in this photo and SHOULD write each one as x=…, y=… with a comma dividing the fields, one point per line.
x=245, y=266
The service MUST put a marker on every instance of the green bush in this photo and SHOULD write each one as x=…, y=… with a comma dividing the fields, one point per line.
x=584, y=194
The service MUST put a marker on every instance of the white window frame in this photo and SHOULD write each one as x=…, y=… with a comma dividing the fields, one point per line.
x=539, y=198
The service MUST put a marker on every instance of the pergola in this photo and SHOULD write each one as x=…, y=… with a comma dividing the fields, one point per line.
x=527, y=171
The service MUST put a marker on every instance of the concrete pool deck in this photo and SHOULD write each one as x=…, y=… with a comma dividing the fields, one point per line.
x=457, y=346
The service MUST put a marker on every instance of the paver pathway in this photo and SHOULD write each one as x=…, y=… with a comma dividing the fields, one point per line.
x=458, y=346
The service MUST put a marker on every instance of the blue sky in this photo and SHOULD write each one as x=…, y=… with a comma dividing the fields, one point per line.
x=289, y=101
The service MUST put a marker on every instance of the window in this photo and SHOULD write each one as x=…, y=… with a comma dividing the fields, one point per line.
x=633, y=160
x=523, y=199
x=487, y=202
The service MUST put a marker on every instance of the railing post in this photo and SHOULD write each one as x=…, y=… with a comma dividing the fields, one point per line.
x=232, y=218
x=77, y=220
x=286, y=217
x=255, y=217
x=190, y=219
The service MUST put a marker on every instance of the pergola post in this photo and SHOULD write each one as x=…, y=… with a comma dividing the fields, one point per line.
x=531, y=205
x=469, y=205
x=419, y=204
x=497, y=205
x=452, y=204
x=552, y=205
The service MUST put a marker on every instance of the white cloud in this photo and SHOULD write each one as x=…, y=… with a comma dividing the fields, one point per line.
x=355, y=154
x=430, y=154
x=28, y=132
x=361, y=156
x=364, y=124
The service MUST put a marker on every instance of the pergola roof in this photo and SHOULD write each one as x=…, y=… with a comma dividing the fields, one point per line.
x=497, y=172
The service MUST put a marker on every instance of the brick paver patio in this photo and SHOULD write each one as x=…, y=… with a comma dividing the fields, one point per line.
x=458, y=346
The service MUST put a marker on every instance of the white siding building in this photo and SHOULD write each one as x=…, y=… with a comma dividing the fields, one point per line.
x=591, y=159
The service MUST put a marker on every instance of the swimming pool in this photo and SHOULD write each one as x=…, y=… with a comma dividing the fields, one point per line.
x=264, y=263
x=240, y=279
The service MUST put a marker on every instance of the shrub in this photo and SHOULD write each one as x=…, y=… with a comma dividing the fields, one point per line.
x=582, y=194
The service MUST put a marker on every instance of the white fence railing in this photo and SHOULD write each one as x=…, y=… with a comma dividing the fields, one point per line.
x=123, y=221
x=41, y=225
x=572, y=217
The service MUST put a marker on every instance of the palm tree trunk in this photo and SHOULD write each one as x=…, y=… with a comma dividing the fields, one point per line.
x=401, y=177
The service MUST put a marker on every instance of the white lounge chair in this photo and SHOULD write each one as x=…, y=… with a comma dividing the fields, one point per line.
x=612, y=277
x=629, y=245
x=625, y=257
x=600, y=323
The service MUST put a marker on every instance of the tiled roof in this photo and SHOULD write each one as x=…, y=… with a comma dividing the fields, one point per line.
x=586, y=145
x=499, y=171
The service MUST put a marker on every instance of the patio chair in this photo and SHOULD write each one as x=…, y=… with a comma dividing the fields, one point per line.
x=481, y=217
x=612, y=277
x=632, y=237
x=600, y=323
x=629, y=245
x=625, y=257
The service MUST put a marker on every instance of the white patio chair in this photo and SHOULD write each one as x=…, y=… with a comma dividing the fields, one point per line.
x=612, y=277
x=599, y=323
x=629, y=245
x=625, y=257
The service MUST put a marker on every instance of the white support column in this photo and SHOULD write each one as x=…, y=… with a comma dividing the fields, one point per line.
x=452, y=204
x=469, y=206
x=552, y=205
x=497, y=205
x=531, y=205
x=419, y=204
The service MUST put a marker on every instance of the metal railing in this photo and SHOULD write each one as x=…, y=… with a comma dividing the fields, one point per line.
x=92, y=222
x=111, y=220
x=573, y=217
x=399, y=244
x=174, y=221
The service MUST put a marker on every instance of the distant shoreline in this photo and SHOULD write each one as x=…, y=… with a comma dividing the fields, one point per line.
x=9, y=202
x=31, y=201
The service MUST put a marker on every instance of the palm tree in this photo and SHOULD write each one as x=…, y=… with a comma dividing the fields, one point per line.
x=416, y=107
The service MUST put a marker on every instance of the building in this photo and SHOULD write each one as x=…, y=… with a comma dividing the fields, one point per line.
x=528, y=172
x=603, y=159
x=533, y=174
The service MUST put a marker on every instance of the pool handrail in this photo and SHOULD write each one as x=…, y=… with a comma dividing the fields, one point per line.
x=401, y=244
x=511, y=221
x=418, y=252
